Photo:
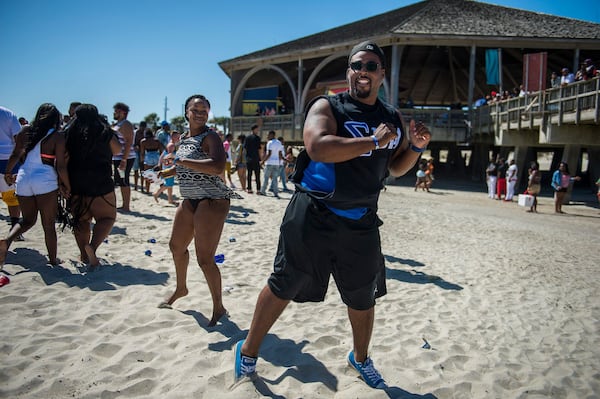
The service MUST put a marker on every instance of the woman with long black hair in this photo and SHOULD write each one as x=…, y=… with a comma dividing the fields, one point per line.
x=40, y=148
x=90, y=144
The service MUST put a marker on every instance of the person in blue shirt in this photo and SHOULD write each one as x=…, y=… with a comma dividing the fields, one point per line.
x=353, y=141
x=561, y=179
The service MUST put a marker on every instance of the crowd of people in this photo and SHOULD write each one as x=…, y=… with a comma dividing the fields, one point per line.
x=352, y=142
x=85, y=163
x=502, y=178
x=586, y=71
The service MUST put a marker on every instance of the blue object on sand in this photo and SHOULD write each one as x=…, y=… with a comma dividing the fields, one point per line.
x=220, y=258
x=231, y=239
x=152, y=240
x=245, y=214
x=148, y=252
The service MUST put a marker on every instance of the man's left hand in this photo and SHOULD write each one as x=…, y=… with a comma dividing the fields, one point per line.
x=419, y=134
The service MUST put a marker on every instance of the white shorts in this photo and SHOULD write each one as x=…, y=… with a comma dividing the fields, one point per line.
x=38, y=182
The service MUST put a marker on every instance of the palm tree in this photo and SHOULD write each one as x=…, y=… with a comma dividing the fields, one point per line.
x=152, y=120
x=178, y=123
x=221, y=121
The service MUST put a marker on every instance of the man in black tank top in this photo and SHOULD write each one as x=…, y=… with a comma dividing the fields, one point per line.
x=353, y=142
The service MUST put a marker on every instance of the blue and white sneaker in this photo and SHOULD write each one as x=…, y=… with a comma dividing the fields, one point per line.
x=367, y=371
x=245, y=366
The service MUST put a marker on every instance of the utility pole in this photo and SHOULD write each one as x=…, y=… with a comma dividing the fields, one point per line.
x=166, y=109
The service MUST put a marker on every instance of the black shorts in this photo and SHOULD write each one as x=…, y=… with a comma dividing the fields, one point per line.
x=122, y=181
x=315, y=243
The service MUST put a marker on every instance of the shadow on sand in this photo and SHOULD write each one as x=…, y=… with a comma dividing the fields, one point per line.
x=283, y=353
x=416, y=277
x=103, y=278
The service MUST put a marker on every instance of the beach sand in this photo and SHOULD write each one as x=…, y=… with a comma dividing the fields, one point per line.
x=508, y=301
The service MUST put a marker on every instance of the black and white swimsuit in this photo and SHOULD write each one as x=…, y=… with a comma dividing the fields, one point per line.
x=198, y=185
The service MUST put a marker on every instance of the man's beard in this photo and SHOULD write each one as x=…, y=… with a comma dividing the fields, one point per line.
x=361, y=93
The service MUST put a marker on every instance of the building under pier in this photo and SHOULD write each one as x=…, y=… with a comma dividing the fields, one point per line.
x=439, y=56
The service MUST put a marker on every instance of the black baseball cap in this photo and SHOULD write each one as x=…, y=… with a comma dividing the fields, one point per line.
x=368, y=45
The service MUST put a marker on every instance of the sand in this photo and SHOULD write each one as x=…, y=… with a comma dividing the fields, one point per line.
x=508, y=301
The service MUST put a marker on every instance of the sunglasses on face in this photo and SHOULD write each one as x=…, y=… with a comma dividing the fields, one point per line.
x=357, y=66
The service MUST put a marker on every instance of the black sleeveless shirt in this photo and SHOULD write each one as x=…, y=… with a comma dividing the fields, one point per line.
x=357, y=182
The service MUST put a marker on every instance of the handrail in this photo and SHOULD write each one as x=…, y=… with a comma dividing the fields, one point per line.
x=556, y=103
x=578, y=102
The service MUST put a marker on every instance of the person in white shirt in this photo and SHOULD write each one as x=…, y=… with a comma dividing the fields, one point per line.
x=9, y=128
x=566, y=77
x=511, y=180
x=273, y=159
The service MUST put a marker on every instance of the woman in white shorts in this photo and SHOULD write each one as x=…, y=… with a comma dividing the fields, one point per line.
x=41, y=150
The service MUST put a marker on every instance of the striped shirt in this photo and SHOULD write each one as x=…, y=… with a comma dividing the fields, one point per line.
x=198, y=185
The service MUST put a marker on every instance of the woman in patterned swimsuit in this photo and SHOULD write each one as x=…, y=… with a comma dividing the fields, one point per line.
x=201, y=215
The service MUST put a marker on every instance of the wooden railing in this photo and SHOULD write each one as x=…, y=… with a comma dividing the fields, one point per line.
x=576, y=103
x=446, y=125
x=288, y=126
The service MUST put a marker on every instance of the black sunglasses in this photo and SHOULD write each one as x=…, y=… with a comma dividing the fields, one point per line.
x=357, y=66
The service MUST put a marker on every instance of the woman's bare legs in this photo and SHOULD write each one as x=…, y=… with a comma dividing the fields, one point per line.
x=182, y=234
x=170, y=195
x=29, y=213
x=146, y=182
x=104, y=212
x=209, y=219
x=82, y=234
x=558, y=201
x=241, y=172
x=47, y=203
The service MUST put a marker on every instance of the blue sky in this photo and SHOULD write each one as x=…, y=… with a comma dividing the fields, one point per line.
x=140, y=52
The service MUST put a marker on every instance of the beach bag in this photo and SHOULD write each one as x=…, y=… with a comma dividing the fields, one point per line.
x=525, y=200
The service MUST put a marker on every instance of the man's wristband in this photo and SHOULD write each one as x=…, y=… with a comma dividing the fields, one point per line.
x=375, y=141
x=417, y=149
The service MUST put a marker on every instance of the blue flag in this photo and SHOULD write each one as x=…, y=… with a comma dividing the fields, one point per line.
x=491, y=66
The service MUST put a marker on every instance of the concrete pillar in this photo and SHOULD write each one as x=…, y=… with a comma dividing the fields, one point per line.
x=572, y=156
x=479, y=161
x=593, y=166
x=455, y=163
x=557, y=157
x=395, y=74
x=470, y=94
x=530, y=155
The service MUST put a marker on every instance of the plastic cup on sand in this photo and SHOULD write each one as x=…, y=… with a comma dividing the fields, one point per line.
x=4, y=280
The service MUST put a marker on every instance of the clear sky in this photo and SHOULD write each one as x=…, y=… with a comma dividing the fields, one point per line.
x=141, y=51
